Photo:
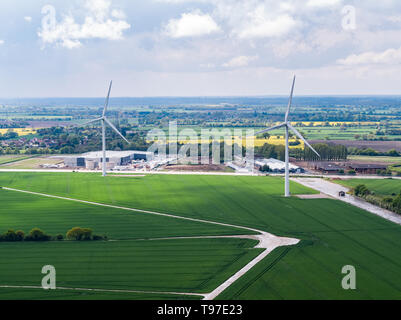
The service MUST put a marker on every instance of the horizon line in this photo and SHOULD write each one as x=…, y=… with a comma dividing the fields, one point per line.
x=209, y=96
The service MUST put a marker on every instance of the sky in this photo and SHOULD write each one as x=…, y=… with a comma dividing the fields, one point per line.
x=58, y=48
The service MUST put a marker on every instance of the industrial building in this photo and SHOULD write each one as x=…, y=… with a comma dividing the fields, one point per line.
x=93, y=160
x=277, y=166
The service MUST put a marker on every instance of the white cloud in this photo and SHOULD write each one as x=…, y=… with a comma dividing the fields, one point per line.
x=390, y=56
x=394, y=19
x=263, y=27
x=241, y=61
x=118, y=14
x=28, y=19
x=193, y=24
x=323, y=3
x=256, y=19
x=98, y=24
x=1, y=42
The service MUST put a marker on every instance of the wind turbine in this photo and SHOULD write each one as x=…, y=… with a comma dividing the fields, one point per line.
x=287, y=125
x=103, y=121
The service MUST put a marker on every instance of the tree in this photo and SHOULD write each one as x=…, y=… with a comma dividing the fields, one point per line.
x=10, y=236
x=397, y=204
x=20, y=235
x=37, y=235
x=361, y=191
x=79, y=234
x=265, y=135
x=393, y=153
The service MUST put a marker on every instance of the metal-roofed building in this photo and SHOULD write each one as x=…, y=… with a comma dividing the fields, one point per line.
x=93, y=160
x=277, y=166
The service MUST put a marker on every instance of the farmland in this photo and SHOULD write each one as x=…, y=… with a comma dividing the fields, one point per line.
x=20, y=131
x=370, y=159
x=12, y=158
x=29, y=162
x=129, y=261
x=382, y=187
x=333, y=234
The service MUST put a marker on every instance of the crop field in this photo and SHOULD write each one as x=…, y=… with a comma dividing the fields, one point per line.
x=372, y=159
x=382, y=187
x=20, y=131
x=29, y=162
x=12, y=158
x=333, y=234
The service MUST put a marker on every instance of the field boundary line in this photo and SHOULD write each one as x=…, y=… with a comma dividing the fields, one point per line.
x=107, y=290
x=267, y=241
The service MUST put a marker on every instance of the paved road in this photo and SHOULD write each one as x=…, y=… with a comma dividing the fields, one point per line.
x=333, y=189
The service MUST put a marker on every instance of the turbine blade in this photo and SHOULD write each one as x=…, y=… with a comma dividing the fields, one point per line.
x=290, y=101
x=303, y=139
x=86, y=123
x=272, y=128
x=106, y=104
x=115, y=129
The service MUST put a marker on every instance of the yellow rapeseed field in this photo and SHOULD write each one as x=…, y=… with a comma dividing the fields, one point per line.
x=274, y=140
x=20, y=131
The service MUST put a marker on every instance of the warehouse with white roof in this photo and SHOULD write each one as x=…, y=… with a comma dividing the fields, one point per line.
x=277, y=166
x=93, y=160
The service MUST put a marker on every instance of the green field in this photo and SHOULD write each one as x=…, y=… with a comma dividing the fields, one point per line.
x=382, y=187
x=29, y=162
x=390, y=160
x=333, y=234
x=8, y=159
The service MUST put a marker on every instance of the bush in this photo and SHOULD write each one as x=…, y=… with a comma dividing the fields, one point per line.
x=361, y=191
x=79, y=234
x=20, y=235
x=388, y=200
x=59, y=237
x=10, y=236
x=397, y=204
x=352, y=172
x=98, y=238
x=37, y=235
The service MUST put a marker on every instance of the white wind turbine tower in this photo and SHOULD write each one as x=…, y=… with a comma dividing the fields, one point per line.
x=104, y=120
x=287, y=125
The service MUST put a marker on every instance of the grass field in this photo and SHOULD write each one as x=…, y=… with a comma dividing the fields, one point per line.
x=389, y=160
x=382, y=187
x=129, y=260
x=8, y=159
x=333, y=234
x=29, y=162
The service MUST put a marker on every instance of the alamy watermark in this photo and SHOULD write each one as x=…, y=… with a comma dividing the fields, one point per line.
x=348, y=22
x=49, y=280
x=349, y=281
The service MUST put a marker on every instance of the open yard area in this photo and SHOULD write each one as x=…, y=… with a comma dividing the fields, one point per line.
x=29, y=162
x=333, y=234
x=9, y=159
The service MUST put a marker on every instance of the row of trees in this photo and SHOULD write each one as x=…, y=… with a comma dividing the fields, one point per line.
x=271, y=151
x=19, y=235
x=372, y=152
x=327, y=153
x=392, y=203
x=37, y=235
